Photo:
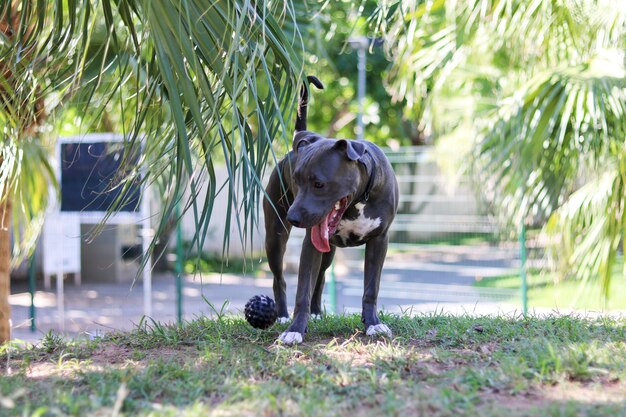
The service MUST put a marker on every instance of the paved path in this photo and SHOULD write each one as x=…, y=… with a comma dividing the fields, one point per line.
x=426, y=281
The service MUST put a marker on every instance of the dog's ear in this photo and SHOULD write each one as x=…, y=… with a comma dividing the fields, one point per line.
x=354, y=150
x=304, y=138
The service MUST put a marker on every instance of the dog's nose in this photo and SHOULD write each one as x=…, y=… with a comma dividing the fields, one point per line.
x=294, y=220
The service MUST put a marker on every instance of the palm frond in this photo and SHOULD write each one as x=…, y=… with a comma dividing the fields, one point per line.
x=229, y=74
x=192, y=83
x=430, y=42
x=38, y=58
x=544, y=86
x=535, y=149
x=586, y=231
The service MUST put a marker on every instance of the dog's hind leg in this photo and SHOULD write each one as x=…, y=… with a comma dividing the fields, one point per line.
x=316, y=301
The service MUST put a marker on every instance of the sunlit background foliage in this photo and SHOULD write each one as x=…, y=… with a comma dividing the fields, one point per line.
x=537, y=89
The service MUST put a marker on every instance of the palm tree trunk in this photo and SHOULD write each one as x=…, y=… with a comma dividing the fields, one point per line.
x=5, y=269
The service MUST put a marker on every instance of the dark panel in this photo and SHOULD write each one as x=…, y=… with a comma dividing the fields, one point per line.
x=91, y=175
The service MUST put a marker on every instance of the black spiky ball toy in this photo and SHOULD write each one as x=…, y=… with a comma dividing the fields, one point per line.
x=260, y=311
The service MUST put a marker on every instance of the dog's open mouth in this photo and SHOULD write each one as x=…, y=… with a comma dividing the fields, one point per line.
x=321, y=233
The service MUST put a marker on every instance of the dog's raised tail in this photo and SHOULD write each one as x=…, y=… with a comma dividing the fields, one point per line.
x=304, y=101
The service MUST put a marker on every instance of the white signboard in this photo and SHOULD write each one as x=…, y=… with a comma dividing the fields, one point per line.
x=86, y=166
x=61, y=244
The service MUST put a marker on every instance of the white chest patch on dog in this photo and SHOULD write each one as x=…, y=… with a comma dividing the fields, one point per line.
x=361, y=226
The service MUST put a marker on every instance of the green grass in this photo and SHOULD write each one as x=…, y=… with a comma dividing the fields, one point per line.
x=207, y=263
x=436, y=365
x=569, y=294
x=446, y=239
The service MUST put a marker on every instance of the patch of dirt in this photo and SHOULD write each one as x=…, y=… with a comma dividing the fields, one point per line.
x=106, y=356
x=420, y=360
x=601, y=391
x=597, y=392
x=515, y=402
x=355, y=358
x=111, y=354
x=45, y=370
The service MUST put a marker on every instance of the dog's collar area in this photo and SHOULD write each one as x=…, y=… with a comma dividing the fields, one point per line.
x=370, y=181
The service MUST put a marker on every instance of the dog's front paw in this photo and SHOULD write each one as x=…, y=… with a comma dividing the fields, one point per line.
x=316, y=316
x=282, y=320
x=290, y=338
x=378, y=329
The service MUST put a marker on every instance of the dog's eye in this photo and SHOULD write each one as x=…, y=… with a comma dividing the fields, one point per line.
x=318, y=184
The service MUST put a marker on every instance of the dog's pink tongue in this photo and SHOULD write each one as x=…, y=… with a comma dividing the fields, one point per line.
x=319, y=236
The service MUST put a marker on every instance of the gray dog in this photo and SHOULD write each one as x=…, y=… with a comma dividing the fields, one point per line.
x=344, y=193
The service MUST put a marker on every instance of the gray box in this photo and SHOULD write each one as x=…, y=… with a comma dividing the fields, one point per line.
x=114, y=255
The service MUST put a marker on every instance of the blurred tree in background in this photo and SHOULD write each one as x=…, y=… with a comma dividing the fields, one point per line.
x=327, y=28
x=538, y=90
x=336, y=61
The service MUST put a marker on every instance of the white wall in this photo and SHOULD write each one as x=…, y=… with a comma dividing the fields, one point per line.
x=215, y=237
